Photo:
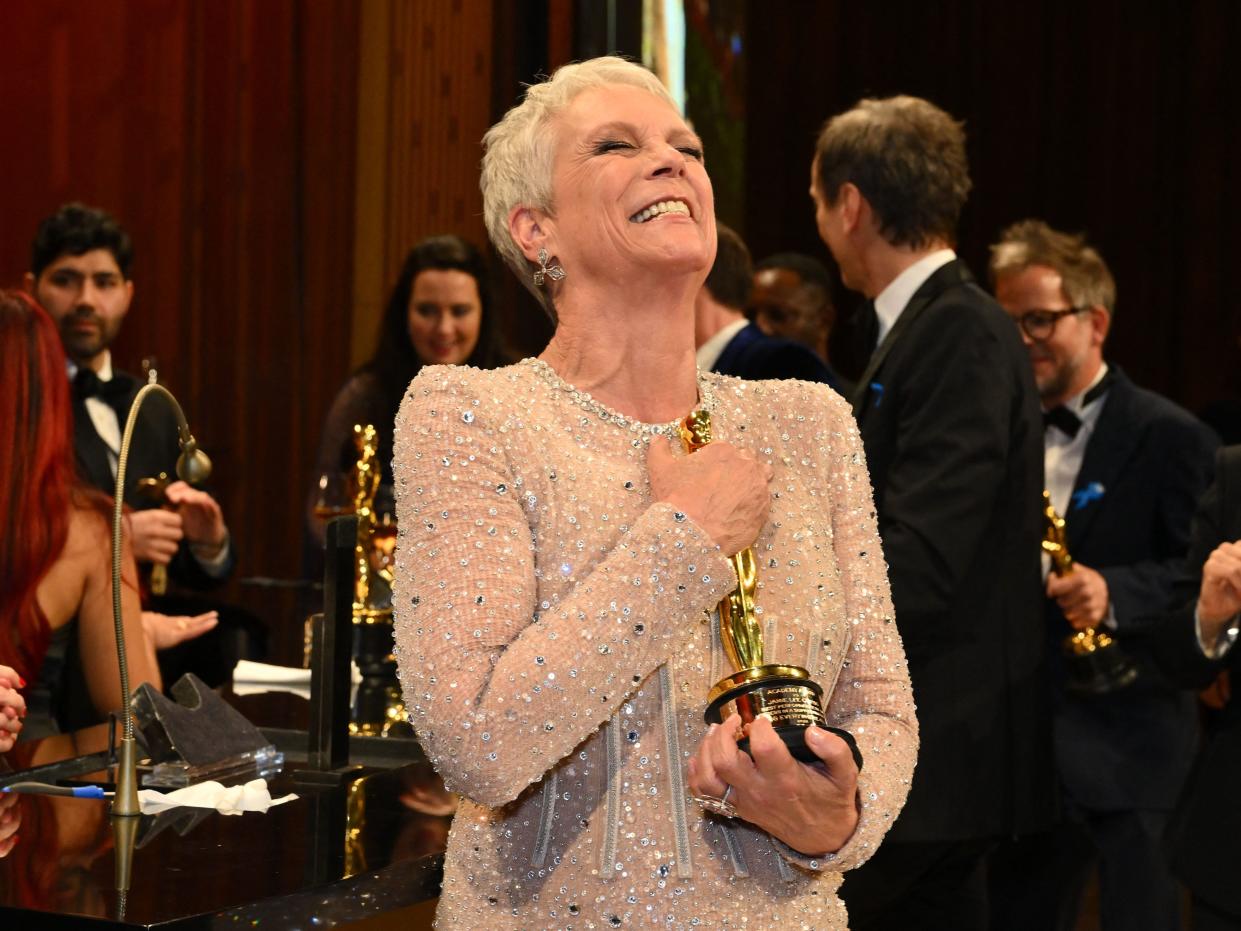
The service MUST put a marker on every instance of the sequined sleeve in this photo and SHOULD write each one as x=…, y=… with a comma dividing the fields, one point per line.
x=872, y=698
x=500, y=686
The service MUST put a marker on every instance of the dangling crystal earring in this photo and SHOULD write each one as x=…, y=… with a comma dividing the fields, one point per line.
x=554, y=272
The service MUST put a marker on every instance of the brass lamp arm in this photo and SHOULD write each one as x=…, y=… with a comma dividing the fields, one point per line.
x=192, y=466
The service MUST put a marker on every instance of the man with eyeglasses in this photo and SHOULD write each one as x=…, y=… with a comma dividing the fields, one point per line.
x=1125, y=468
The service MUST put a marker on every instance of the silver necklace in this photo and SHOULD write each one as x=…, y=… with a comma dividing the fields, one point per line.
x=584, y=400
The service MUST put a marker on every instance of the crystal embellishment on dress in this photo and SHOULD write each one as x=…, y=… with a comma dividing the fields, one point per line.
x=521, y=607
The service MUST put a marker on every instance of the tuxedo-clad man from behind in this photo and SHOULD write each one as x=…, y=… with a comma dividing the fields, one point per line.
x=80, y=273
x=950, y=423
x=730, y=344
x=1125, y=468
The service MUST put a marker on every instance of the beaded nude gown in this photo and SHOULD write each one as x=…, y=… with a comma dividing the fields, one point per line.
x=557, y=635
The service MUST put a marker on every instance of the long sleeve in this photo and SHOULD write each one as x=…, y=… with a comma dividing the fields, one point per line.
x=500, y=685
x=1175, y=646
x=872, y=698
x=1145, y=588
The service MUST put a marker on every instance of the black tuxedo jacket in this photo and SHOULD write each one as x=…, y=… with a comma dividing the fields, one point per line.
x=752, y=354
x=1146, y=465
x=953, y=436
x=1205, y=832
x=153, y=450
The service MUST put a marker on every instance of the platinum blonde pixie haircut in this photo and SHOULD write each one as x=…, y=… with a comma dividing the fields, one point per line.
x=518, y=151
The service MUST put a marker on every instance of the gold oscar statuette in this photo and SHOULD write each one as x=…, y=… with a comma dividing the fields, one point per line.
x=785, y=695
x=1095, y=663
x=378, y=707
x=152, y=491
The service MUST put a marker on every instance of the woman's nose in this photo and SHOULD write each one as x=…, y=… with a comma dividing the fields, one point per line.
x=668, y=160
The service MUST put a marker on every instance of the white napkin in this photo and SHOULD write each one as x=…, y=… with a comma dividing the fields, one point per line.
x=227, y=800
x=254, y=678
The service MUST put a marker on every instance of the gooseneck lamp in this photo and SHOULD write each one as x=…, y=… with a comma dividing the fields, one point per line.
x=193, y=466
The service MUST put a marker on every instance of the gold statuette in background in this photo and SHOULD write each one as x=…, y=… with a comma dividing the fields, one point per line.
x=785, y=695
x=378, y=706
x=1095, y=663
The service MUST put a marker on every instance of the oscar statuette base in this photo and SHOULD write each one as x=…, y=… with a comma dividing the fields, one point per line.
x=785, y=695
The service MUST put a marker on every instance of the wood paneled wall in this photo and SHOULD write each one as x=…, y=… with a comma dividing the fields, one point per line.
x=221, y=135
x=425, y=102
x=273, y=160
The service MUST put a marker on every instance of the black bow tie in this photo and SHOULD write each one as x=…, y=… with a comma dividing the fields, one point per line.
x=86, y=384
x=1065, y=419
x=1069, y=422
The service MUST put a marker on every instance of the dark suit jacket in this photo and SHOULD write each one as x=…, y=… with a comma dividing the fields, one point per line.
x=153, y=450
x=1146, y=465
x=953, y=436
x=752, y=354
x=1205, y=832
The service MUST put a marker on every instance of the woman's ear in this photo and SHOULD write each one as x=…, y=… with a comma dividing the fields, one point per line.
x=530, y=228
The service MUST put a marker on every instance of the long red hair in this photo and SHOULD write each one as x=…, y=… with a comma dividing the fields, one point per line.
x=36, y=474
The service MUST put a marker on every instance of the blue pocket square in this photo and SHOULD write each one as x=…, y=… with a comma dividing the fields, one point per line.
x=1083, y=496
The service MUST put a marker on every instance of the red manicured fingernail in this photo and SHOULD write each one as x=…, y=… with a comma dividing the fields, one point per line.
x=21, y=683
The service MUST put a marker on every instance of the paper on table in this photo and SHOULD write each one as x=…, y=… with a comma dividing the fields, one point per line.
x=227, y=800
x=254, y=678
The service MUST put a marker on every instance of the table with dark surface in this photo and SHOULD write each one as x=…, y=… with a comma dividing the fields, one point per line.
x=334, y=855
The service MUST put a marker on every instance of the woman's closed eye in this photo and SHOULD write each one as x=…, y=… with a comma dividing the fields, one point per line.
x=612, y=145
x=692, y=151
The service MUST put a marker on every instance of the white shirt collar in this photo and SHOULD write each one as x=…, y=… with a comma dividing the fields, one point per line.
x=1077, y=403
x=892, y=300
x=105, y=370
x=709, y=352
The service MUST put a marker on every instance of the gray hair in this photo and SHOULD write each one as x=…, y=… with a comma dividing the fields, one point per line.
x=518, y=151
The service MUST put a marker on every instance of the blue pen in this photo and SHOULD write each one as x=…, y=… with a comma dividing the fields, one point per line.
x=43, y=788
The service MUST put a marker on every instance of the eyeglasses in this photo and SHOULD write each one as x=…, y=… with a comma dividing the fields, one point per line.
x=1040, y=324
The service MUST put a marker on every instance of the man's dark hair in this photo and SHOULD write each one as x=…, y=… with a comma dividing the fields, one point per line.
x=809, y=269
x=907, y=157
x=76, y=229
x=732, y=275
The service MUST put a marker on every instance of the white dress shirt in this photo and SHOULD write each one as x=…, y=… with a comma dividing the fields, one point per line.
x=1062, y=460
x=892, y=300
x=108, y=426
x=710, y=351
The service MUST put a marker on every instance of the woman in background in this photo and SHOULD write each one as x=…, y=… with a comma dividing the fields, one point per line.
x=55, y=543
x=439, y=313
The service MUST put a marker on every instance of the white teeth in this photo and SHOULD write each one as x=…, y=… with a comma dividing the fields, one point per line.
x=656, y=209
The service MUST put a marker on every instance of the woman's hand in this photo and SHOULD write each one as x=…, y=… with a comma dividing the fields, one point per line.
x=12, y=707
x=721, y=488
x=812, y=808
x=165, y=631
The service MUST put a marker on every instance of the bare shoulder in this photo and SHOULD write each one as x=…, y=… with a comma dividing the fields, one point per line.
x=90, y=531
x=85, y=556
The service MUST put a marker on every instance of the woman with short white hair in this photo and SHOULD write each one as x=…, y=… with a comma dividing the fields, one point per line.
x=561, y=556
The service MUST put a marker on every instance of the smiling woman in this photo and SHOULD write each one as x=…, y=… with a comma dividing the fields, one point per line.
x=560, y=558
x=439, y=313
